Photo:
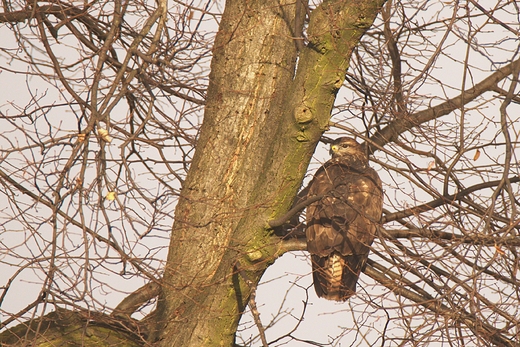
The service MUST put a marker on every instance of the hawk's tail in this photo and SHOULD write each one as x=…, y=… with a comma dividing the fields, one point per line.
x=335, y=276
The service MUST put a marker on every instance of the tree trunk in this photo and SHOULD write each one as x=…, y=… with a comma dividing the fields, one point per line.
x=261, y=124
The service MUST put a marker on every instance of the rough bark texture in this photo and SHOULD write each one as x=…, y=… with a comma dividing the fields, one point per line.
x=260, y=129
x=67, y=328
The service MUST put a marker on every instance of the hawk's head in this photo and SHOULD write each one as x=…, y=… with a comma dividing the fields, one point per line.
x=346, y=148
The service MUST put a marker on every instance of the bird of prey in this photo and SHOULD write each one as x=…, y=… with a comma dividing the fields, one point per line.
x=342, y=224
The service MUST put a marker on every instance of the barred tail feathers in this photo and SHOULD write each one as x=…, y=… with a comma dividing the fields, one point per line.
x=335, y=276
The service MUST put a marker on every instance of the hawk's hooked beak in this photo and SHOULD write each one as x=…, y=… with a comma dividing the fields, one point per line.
x=333, y=149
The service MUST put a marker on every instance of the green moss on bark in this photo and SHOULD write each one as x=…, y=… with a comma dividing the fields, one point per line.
x=69, y=328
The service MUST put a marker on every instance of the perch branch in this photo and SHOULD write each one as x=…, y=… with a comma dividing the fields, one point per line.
x=278, y=222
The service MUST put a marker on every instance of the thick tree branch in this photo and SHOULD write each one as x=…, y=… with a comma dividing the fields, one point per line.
x=449, y=199
x=294, y=210
x=300, y=244
x=23, y=15
x=391, y=132
x=80, y=327
x=138, y=298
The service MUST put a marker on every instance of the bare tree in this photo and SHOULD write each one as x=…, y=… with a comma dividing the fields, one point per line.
x=116, y=127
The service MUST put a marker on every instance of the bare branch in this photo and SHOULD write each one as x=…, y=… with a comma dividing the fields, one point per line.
x=449, y=199
x=294, y=210
x=392, y=131
x=388, y=278
x=138, y=298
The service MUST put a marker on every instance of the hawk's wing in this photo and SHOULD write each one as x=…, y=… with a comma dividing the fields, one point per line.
x=341, y=226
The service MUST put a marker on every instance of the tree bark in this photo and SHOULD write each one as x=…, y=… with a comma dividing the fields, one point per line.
x=261, y=125
x=73, y=328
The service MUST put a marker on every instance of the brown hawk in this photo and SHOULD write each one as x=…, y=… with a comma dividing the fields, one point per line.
x=341, y=225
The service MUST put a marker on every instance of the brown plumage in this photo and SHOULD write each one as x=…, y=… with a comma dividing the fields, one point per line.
x=341, y=226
